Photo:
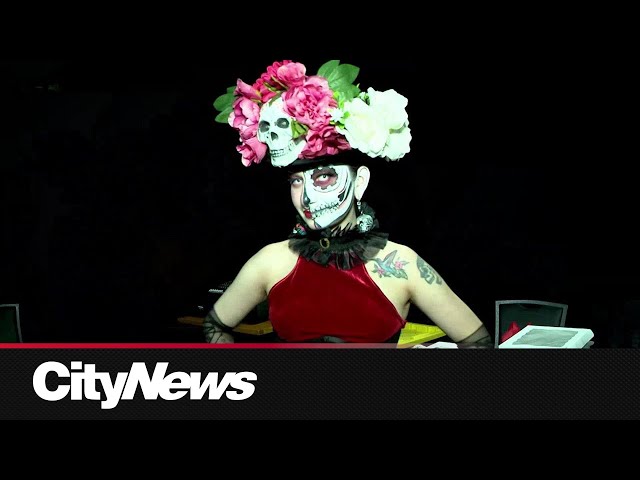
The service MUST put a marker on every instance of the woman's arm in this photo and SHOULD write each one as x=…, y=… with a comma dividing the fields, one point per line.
x=431, y=294
x=246, y=291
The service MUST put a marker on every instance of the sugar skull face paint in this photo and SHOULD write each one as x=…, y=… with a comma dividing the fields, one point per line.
x=323, y=195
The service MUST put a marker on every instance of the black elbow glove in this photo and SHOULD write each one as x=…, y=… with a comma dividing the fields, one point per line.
x=213, y=327
x=480, y=337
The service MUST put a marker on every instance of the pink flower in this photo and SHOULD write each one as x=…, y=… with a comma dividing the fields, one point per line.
x=266, y=92
x=272, y=71
x=311, y=102
x=252, y=151
x=278, y=77
x=322, y=142
x=245, y=112
x=247, y=132
x=291, y=74
x=244, y=118
x=247, y=91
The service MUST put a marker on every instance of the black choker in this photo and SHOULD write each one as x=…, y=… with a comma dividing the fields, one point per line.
x=342, y=248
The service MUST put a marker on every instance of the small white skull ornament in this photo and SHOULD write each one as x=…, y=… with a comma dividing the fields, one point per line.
x=276, y=131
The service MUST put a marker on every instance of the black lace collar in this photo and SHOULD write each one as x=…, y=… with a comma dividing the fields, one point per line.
x=342, y=248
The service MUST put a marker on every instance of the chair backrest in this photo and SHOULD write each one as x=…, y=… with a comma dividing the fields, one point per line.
x=525, y=312
x=10, y=323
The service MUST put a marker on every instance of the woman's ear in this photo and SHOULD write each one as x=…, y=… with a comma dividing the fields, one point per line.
x=362, y=181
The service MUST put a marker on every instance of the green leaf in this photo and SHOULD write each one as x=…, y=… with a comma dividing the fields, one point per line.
x=223, y=117
x=224, y=101
x=350, y=92
x=326, y=69
x=339, y=76
x=348, y=73
x=298, y=129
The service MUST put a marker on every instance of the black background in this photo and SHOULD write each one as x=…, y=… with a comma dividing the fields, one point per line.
x=123, y=201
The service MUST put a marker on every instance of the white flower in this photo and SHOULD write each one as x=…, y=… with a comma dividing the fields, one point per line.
x=398, y=143
x=336, y=115
x=364, y=129
x=390, y=106
x=376, y=123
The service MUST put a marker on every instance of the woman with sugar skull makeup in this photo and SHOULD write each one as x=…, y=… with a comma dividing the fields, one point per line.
x=337, y=277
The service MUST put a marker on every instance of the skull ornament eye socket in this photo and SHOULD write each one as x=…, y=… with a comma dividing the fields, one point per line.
x=266, y=130
x=275, y=129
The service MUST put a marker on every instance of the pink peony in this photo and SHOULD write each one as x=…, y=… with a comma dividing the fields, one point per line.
x=247, y=91
x=322, y=142
x=245, y=112
x=272, y=71
x=291, y=75
x=247, y=132
x=252, y=151
x=277, y=78
x=266, y=93
x=311, y=102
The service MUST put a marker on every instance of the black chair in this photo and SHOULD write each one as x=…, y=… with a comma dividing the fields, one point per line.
x=524, y=312
x=10, y=323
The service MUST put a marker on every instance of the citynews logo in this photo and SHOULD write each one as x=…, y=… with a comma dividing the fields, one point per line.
x=175, y=385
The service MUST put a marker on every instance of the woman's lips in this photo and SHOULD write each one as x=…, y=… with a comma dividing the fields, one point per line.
x=307, y=214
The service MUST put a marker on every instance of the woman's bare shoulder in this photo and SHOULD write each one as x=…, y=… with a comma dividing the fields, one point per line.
x=404, y=253
x=275, y=261
x=399, y=249
x=275, y=248
x=276, y=251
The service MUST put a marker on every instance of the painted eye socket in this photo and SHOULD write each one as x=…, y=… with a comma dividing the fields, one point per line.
x=324, y=177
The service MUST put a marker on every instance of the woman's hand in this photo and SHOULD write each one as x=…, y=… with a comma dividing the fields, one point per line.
x=221, y=337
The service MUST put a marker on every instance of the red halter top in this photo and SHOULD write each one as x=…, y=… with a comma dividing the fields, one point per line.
x=314, y=301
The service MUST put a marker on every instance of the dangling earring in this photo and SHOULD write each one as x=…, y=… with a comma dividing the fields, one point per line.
x=299, y=229
x=364, y=221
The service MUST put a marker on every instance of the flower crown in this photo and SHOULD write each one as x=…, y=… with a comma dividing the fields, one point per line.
x=296, y=116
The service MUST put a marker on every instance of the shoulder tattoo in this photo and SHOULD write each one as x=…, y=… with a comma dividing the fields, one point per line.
x=428, y=272
x=390, y=267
